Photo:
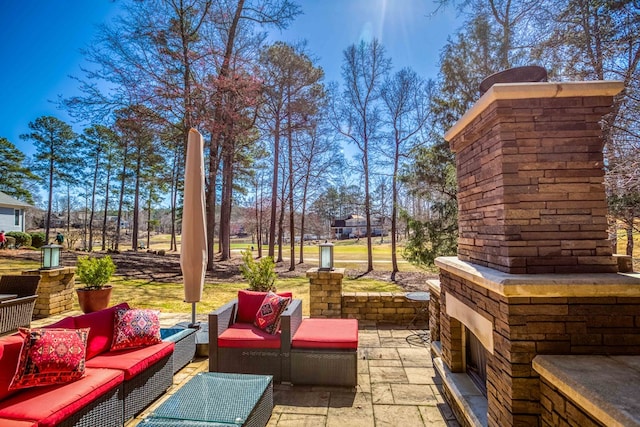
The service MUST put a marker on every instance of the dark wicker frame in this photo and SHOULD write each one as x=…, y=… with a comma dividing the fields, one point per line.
x=22, y=286
x=16, y=313
x=259, y=361
x=185, y=347
x=141, y=390
x=104, y=411
x=325, y=367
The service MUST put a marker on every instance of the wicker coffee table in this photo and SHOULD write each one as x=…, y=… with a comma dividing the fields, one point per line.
x=217, y=399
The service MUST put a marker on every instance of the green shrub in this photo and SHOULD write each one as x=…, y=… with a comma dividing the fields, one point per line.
x=37, y=240
x=261, y=275
x=22, y=239
x=95, y=272
x=11, y=242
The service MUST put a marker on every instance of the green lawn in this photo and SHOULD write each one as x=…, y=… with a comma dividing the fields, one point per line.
x=169, y=297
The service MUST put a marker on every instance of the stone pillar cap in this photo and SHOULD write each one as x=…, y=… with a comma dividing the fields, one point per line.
x=534, y=91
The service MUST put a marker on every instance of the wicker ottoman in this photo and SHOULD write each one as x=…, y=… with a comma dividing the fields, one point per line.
x=325, y=352
x=185, y=345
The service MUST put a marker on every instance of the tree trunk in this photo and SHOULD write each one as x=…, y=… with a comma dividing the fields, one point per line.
x=367, y=210
x=106, y=210
x=136, y=203
x=274, y=187
x=394, y=214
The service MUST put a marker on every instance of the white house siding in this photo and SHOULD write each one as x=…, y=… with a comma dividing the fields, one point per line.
x=11, y=213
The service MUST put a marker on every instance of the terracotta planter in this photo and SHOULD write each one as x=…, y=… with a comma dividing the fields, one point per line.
x=94, y=299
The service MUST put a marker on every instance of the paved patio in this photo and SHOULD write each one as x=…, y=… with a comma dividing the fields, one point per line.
x=397, y=386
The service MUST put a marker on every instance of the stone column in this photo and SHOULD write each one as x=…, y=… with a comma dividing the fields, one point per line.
x=55, y=291
x=325, y=292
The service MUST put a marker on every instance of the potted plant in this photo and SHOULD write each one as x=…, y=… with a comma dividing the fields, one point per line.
x=261, y=275
x=95, y=274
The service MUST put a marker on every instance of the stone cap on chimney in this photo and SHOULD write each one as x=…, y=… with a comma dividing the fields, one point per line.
x=534, y=91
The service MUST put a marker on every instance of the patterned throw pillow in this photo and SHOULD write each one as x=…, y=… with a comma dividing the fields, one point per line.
x=50, y=356
x=135, y=328
x=268, y=315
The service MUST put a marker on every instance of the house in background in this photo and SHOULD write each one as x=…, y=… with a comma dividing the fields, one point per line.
x=355, y=226
x=12, y=213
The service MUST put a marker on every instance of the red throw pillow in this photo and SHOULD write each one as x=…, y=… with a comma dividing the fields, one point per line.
x=50, y=356
x=268, y=315
x=135, y=328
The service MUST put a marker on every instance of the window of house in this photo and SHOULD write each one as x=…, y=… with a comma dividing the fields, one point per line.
x=16, y=215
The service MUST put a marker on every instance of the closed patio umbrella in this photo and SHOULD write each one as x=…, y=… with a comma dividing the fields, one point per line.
x=193, y=252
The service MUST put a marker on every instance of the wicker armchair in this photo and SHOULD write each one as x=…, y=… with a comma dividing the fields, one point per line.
x=20, y=285
x=263, y=361
x=17, y=312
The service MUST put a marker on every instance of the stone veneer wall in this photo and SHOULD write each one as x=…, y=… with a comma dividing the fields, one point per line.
x=531, y=195
x=527, y=326
x=55, y=291
x=383, y=307
x=559, y=411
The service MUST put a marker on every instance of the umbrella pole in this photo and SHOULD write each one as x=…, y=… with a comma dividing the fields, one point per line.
x=193, y=317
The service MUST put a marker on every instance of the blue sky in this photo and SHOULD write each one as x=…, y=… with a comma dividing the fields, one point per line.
x=40, y=43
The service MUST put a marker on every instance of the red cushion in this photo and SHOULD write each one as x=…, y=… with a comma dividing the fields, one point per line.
x=132, y=362
x=249, y=303
x=268, y=315
x=5, y=422
x=326, y=333
x=66, y=323
x=245, y=335
x=50, y=356
x=52, y=404
x=101, y=332
x=9, y=355
x=135, y=328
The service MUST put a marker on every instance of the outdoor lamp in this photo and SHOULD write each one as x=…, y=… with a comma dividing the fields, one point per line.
x=326, y=256
x=50, y=257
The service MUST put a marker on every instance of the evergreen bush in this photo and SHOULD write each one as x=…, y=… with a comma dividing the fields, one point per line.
x=95, y=272
x=261, y=275
x=22, y=239
x=37, y=239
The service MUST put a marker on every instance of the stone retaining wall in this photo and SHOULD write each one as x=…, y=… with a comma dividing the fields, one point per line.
x=382, y=307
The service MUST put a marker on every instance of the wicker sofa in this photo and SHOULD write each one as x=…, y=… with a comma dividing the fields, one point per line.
x=17, y=312
x=116, y=386
x=236, y=345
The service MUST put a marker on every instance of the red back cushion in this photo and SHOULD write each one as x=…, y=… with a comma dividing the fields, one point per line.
x=249, y=303
x=9, y=355
x=66, y=323
x=101, y=329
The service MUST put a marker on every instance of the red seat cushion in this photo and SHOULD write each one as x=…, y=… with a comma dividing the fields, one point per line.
x=245, y=335
x=10, y=347
x=132, y=362
x=101, y=329
x=326, y=333
x=5, y=422
x=249, y=303
x=53, y=404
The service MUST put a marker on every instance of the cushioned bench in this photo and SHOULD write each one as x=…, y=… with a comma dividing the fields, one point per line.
x=325, y=352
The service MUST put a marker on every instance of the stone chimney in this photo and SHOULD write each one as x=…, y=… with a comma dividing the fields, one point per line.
x=531, y=195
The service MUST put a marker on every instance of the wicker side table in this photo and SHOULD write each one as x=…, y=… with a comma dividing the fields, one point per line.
x=185, y=345
x=217, y=399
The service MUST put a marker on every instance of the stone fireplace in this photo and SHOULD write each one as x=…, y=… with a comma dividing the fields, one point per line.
x=535, y=273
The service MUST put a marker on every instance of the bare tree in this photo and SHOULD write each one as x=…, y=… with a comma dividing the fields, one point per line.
x=358, y=115
x=406, y=99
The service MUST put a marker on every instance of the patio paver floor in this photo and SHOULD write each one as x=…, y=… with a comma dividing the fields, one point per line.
x=397, y=386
